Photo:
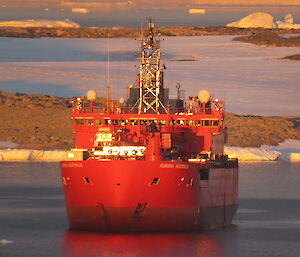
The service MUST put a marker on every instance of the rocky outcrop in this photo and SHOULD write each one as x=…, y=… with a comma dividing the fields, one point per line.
x=269, y=38
x=255, y=20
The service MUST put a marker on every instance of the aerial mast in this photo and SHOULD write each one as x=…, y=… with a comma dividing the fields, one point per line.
x=150, y=77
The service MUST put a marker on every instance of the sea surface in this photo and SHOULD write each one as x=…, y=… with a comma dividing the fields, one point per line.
x=251, y=79
x=33, y=221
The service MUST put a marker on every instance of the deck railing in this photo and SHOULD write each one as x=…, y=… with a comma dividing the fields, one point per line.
x=134, y=110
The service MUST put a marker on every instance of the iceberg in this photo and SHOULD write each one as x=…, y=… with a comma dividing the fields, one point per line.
x=255, y=20
x=287, y=23
x=264, y=20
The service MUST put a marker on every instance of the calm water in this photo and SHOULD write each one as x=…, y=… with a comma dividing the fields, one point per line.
x=32, y=216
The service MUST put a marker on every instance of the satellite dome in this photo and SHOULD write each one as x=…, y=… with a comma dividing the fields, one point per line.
x=203, y=96
x=91, y=95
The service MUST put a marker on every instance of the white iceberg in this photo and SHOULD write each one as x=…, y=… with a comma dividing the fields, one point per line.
x=255, y=20
x=287, y=23
x=40, y=24
x=264, y=20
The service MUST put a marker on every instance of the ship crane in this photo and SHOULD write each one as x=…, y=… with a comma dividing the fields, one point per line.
x=150, y=75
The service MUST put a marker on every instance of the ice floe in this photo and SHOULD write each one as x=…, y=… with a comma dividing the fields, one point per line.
x=288, y=151
x=32, y=155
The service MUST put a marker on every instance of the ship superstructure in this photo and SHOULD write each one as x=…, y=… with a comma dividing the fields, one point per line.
x=151, y=163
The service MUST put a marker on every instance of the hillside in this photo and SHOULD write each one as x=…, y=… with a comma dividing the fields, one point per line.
x=43, y=122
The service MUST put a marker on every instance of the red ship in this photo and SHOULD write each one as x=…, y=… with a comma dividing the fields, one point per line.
x=150, y=163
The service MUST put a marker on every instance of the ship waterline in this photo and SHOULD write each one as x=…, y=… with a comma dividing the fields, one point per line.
x=148, y=196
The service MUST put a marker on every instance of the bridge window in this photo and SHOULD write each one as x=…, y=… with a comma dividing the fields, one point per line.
x=133, y=122
x=205, y=123
x=107, y=122
x=180, y=122
x=98, y=122
x=215, y=123
x=115, y=122
x=162, y=122
x=79, y=121
x=172, y=122
x=197, y=123
x=143, y=122
x=124, y=122
x=189, y=123
x=90, y=122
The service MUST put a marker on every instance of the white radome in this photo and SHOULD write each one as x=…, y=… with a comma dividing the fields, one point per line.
x=203, y=96
x=91, y=95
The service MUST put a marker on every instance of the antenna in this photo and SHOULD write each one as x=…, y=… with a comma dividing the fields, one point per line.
x=108, y=60
x=150, y=82
x=108, y=74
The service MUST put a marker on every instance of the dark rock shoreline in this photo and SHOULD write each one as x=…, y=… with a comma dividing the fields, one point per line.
x=270, y=38
x=44, y=122
x=98, y=32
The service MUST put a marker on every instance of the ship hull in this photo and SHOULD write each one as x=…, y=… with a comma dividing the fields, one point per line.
x=139, y=196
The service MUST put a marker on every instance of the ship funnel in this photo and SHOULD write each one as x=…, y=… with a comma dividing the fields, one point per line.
x=91, y=95
x=203, y=96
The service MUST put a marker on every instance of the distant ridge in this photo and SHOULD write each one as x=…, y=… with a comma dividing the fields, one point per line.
x=142, y=3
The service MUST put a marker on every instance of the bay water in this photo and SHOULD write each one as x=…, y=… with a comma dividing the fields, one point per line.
x=33, y=221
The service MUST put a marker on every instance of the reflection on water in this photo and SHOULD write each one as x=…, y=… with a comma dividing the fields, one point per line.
x=142, y=245
x=33, y=217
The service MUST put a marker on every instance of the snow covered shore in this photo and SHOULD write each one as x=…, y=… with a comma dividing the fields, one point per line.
x=242, y=153
x=32, y=155
x=40, y=24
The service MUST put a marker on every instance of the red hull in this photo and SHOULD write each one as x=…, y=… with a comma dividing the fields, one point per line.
x=124, y=195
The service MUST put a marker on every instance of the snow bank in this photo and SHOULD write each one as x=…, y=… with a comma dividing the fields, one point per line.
x=289, y=149
x=255, y=20
x=242, y=153
x=32, y=155
x=252, y=154
x=40, y=23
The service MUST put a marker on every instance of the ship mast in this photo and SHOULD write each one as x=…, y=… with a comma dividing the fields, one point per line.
x=151, y=75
